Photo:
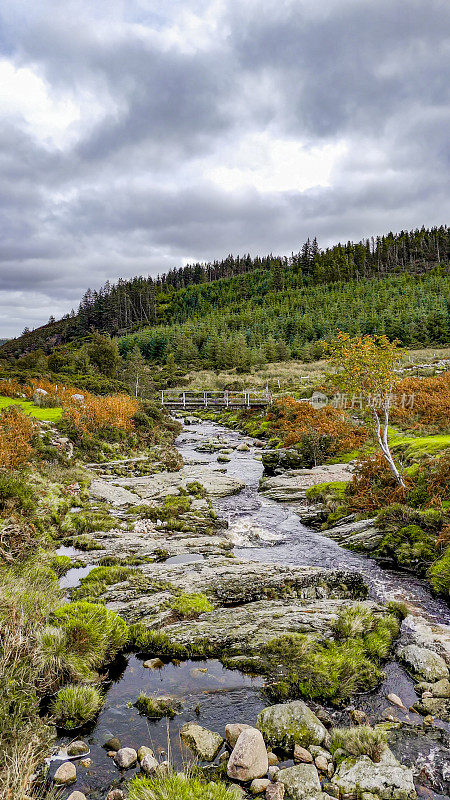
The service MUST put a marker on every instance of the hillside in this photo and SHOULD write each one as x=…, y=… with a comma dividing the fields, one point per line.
x=271, y=307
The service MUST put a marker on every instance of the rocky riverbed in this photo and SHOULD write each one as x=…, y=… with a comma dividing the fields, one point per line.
x=264, y=575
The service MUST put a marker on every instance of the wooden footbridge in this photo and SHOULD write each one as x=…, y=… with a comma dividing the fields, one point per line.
x=176, y=399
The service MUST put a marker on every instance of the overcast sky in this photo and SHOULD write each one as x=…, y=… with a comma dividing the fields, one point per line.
x=137, y=135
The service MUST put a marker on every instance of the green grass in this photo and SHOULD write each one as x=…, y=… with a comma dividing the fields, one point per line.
x=75, y=705
x=419, y=445
x=93, y=633
x=359, y=741
x=157, y=707
x=179, y=787
x=189, y=606
x=46, y=414
x=440, y=574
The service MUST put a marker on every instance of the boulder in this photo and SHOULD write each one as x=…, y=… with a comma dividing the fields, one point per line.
x=439, y=689
x=77, y=748
x=249, y=757
x=204, y=743
x=153, y=663
x=300, y=782
x=423, y=662
x=125, y=758
x=233, y=731
x=65, y=774
x=384, y=779
x=286, y=724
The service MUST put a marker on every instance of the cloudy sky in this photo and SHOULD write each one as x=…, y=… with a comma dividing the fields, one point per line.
x=137, y=135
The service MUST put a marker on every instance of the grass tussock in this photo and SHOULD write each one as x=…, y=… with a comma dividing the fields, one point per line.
x=157, y=707
x=74, y=705
x=179, y=787
x=189, y=606
x=360, y=741
x=334, y=670
x=95, y=584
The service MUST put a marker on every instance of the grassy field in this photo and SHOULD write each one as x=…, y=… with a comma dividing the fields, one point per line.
x=46, y=414
x=290, y=374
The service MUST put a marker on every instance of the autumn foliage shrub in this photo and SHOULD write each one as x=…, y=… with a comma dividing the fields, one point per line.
x=293, y=422
x=430, y=410
x=95, y=414
x=373, y=485
x=16, y=433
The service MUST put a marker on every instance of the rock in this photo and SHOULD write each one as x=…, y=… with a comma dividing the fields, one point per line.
x=272, y=758
x=384, y=779
x=249, y=757
x=233, y=731
x=436, y=706
x=125, y=757
x=116, y=495
x=439, y=689
x=242, y=448
x=153, y=663
x=275, y=791
x=272, y=771
x=112, y=744
x=115, y=794
x=111, y=753
x=300, y=782
x=158, y=487
x=162, y=770
x=281, y=459
x=423, y=662
x=396, y=701
x=286, y=724
x=321, y=763
x=77, y=748
x=77, y=796
x=204, y=743
x=316, y=751
x=65, y=774
x=325, y=718
x=292, y=484
x=149, y=764
x=86, y=762
x=259, y=785
x=302, y=756
x=359, y=717
x=144, y=751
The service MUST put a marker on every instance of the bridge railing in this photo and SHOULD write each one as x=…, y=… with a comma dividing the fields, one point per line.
x=176, y=398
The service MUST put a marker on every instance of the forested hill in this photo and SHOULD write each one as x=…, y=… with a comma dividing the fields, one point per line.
x=396, y=283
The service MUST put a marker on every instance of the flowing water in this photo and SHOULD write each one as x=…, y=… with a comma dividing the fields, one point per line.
x=263, y=530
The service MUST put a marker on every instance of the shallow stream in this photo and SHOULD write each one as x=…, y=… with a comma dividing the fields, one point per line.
x=267, y=531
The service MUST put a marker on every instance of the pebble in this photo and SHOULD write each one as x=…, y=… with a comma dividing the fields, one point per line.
x=302, y=756
x=77, y=796
x=113, y=743
x=65, y=774
x=273, y=769
x=149, y=764
x=86, y=762
x=77, y=749
x=145, y=751
x=259, y=785
x=111, y=753
x=115, y=794
x=275, y=791
x=426, y=694
x=273, y=759
x=396, y=700
x=358, y=716
x=321, y=763
x=153, y=663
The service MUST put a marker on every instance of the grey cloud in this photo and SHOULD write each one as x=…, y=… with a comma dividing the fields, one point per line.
x=131, y=194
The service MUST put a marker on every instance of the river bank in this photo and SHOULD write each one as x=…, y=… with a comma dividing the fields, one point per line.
x=238, y=570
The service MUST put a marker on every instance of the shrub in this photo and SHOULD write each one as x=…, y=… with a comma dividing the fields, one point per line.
x=180, y=787
x=410, y=547
x=439, y=574
x=94, y=634
x=16, y=433
x=373, y=485
x=321, y=432
x=431, y=402
x=189, y=606
x=74, y=705
x=99, y=413
x=15, y=493
x=360, y=741
x=157, y=707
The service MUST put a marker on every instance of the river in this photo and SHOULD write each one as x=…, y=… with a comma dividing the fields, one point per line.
x=267, y=531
